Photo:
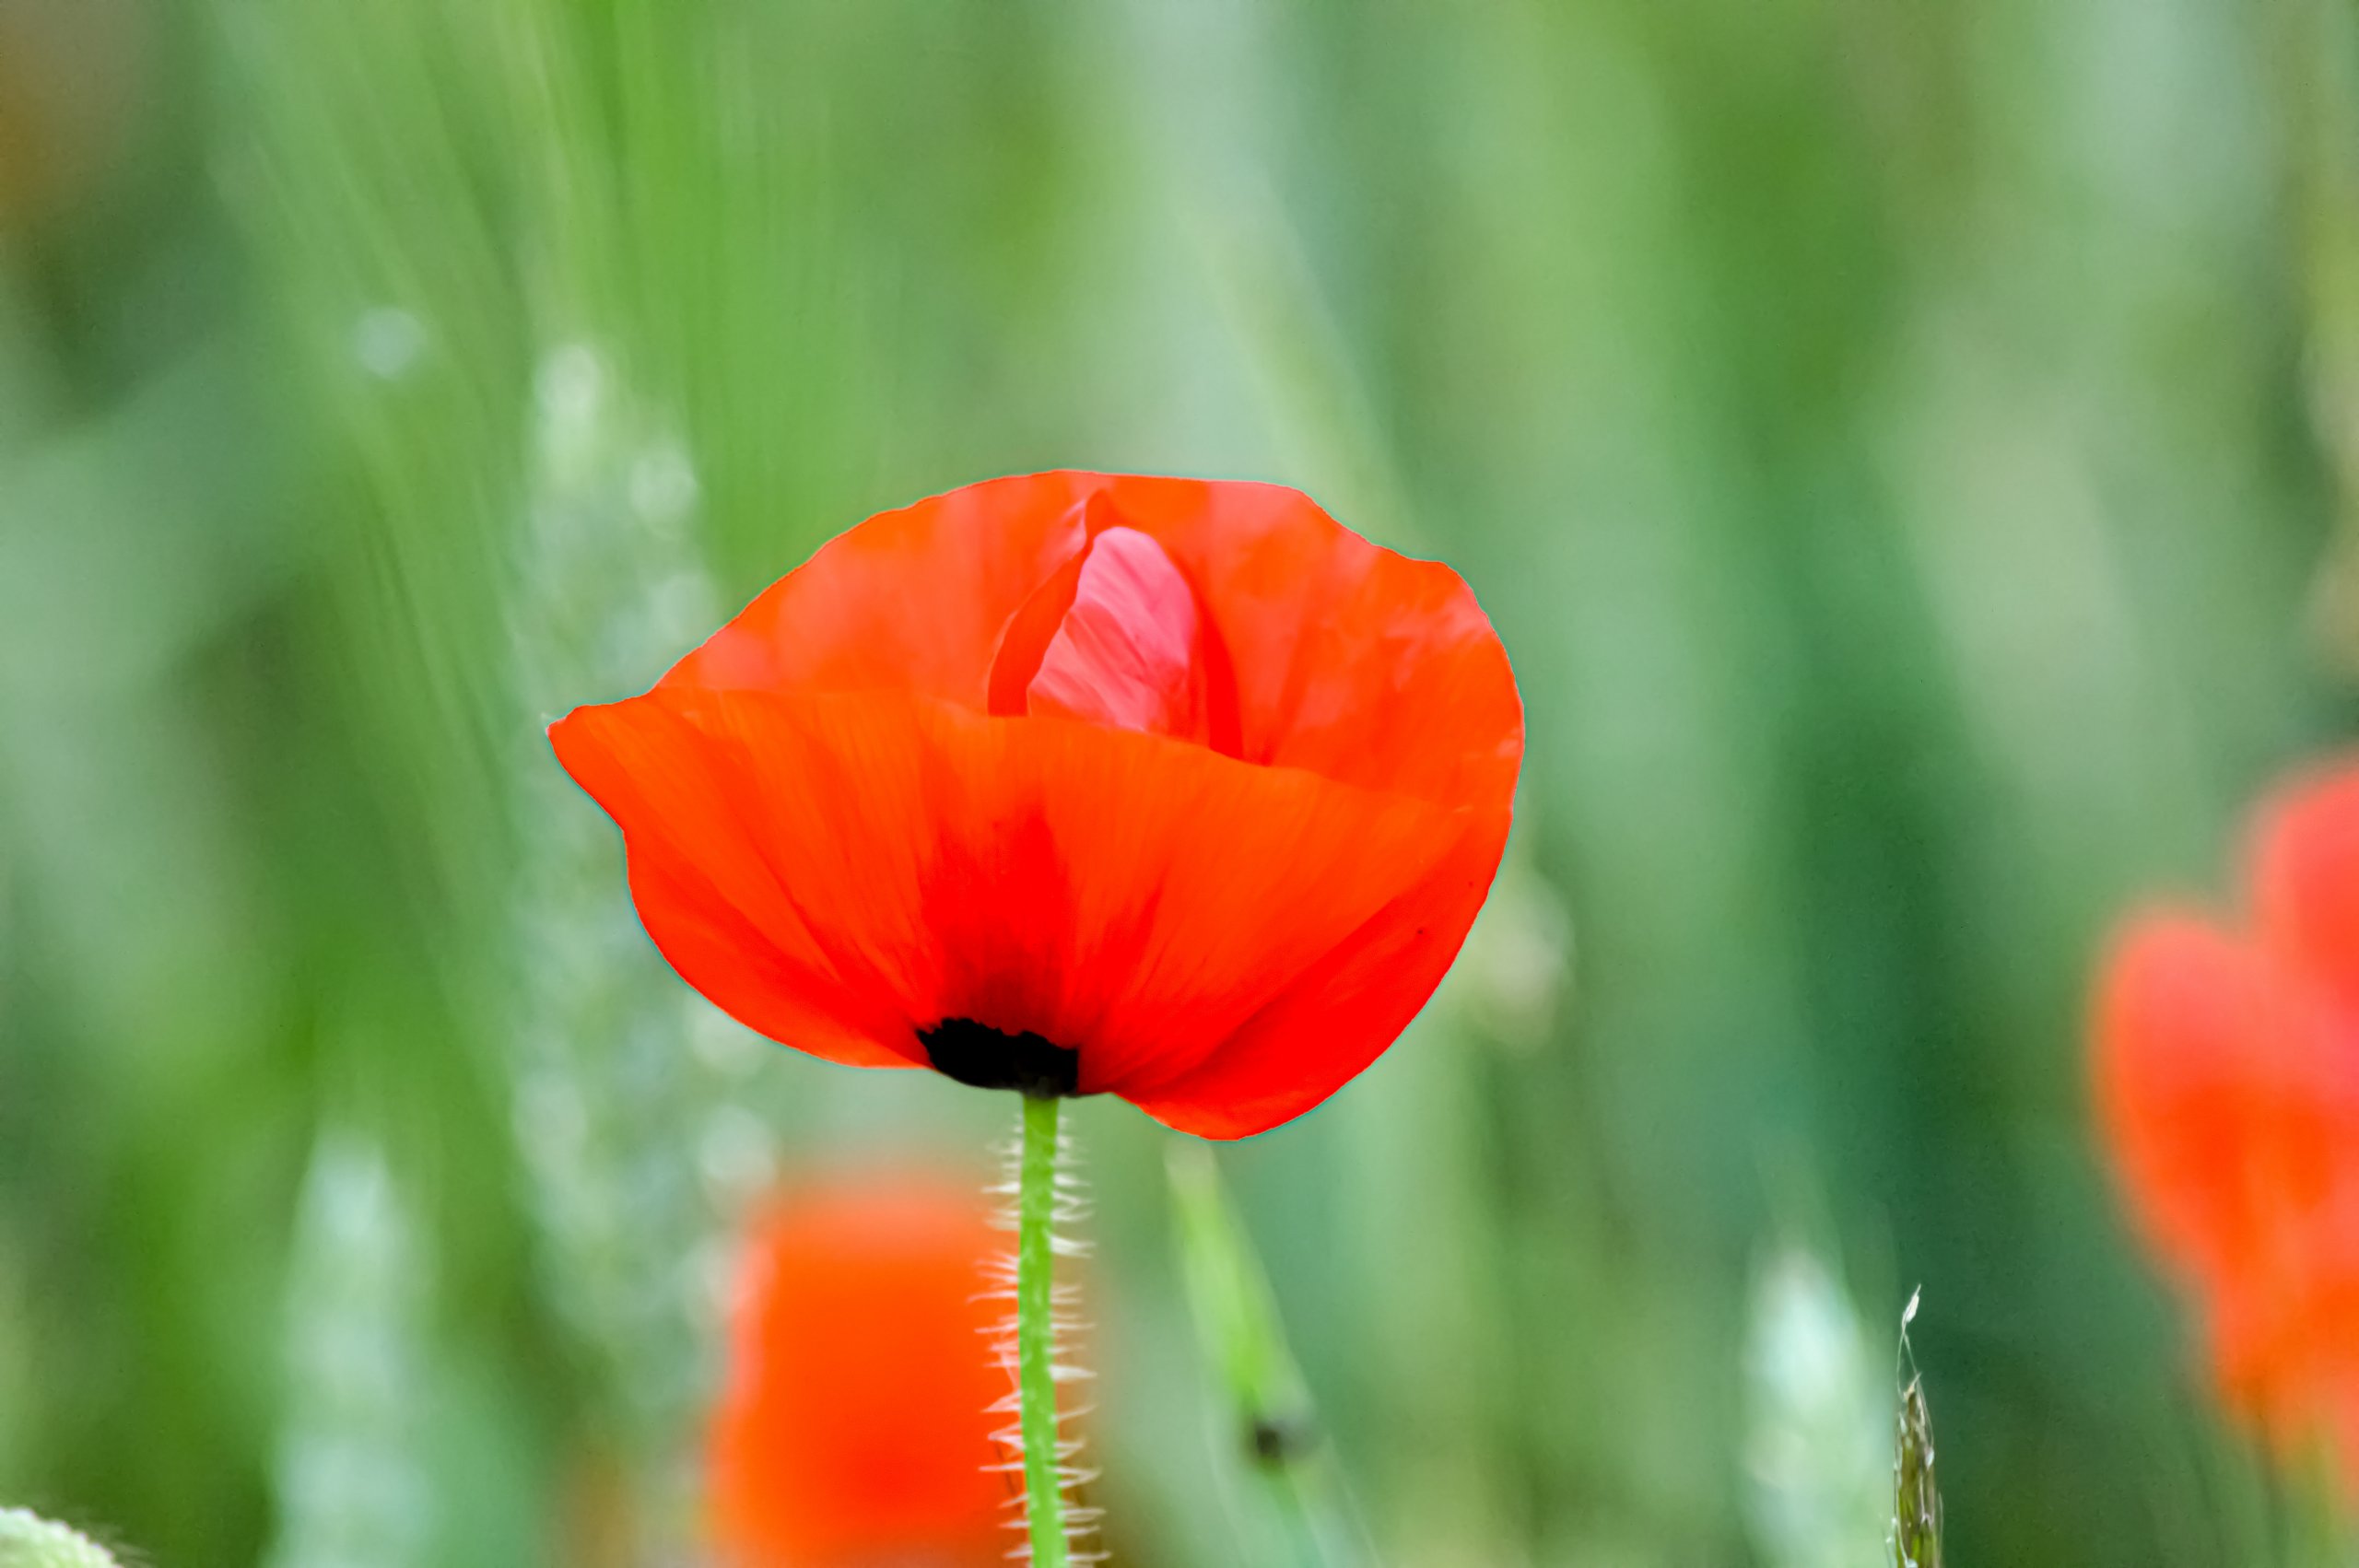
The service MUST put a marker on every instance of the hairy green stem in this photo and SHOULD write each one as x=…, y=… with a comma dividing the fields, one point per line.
x=1036, y=1382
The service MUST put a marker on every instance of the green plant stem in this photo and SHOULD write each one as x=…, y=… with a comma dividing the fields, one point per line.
x=1036, y=1382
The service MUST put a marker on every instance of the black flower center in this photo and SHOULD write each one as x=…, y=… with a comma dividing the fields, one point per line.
x=991, y=1059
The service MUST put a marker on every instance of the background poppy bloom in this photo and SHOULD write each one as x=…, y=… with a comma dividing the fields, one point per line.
x=853, y=1429
x=2228, y=1077
x=1176, y=789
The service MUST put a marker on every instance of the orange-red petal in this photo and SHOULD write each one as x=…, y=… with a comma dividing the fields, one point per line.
x=2228, y=1072
x=867, y=867
x=2285, y=1349
x=1337, y=1017
x=2305, y=877
x=912, y=601
x=1126, y=651
x=698, y=828
x=854, y=1425
x=1356, y=663
x=2222, y=1096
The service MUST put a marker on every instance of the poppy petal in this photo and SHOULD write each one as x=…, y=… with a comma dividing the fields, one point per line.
x=1136, y=898
x=702, y=878
x=1322, y=650
x=914, y=600
x=1125, y=651
x=1339, y=1015
x=854, y=1423
x=2285, y=1347
x=2220, y=1094
x=1358, y=664
x=2306, y=876
x=1024, y=642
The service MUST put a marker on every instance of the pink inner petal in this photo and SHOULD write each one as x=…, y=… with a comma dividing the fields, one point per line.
x=1126, y=652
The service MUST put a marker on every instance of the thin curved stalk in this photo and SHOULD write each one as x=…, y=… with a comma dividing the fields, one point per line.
x=1036, y=1381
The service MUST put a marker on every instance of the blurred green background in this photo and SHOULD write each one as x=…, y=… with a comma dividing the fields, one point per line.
x=1900, y=442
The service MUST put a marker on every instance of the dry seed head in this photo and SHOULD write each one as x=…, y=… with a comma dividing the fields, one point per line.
x=1916, y=1495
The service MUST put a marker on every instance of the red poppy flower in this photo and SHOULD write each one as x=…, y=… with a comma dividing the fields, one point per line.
x=2227, y=1081
x=854, y=1428
x=1175, y=790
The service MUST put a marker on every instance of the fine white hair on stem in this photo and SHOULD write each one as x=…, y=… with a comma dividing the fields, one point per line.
x=1070, y=1206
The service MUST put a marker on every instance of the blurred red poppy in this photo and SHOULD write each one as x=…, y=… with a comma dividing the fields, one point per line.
x=2227, y=1081
x=854, y=1428
x=1175, y=790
